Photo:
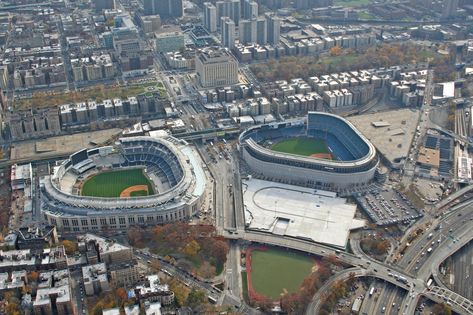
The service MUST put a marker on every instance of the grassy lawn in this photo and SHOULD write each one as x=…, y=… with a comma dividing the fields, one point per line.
x=112, y=183
x=365, y=15
x=276, y=271
x=351, y=3
x=334, y=60
x=218, y=269
x=244, y=283
x=97, y=93
x=301, y=146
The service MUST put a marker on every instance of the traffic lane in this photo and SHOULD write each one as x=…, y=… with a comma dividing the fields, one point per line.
x=462, y=268
x=451, y=222
x=178, y=273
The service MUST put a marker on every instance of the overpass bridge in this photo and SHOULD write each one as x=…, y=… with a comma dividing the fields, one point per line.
x=207, y=134
x=363, y=266
x=458, y=303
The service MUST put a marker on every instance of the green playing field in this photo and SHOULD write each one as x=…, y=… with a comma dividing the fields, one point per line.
x=301, y=146
x=112, y=183
x=275, y=271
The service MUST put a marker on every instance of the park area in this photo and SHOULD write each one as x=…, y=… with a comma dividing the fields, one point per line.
x=97, y=93
x=274, y=272
x=123, y=183
x=303, y=146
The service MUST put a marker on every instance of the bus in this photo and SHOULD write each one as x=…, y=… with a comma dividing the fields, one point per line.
x=429, y=283
x=372, y=291
x=224, y=141
x=212, y=299
x=166, y=272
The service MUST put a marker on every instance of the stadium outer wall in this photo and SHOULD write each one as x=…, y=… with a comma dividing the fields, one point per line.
x=307, y=171
x=72, y=213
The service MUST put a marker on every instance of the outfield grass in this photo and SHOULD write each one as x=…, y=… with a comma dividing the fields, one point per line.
x=276, y=271
x=112, y=183
x=301, y=146
x=351, y=3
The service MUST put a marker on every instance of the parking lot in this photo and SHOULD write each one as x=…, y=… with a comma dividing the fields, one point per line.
x=388, y=206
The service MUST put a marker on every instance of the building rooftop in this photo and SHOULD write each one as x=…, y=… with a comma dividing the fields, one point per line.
x=429, y=157
x=214, y=55
x=56, y=282
x=300, y=212
x=105, y=246
x=152, y=285
x=390, y=132
x=111, y=311
x=94, y=272
x=152, y=308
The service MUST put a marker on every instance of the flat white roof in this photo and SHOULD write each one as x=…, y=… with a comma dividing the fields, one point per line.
x=298, y=212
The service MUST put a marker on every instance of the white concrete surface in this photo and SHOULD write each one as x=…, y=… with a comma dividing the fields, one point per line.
x=301, y=212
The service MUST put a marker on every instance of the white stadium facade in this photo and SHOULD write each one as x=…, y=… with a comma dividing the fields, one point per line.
x=172, y=166
x=354, y=160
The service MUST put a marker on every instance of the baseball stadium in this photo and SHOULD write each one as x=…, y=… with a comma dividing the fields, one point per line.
x=324, y=151
x=136, y=181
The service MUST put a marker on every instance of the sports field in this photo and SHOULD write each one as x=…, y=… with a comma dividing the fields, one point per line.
x=304, y=146
x=276, y=271
x=124, y=183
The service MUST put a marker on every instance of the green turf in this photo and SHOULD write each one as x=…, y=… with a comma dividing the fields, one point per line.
x=112, y=183
x=276, y=271
x=244, y=283
x=351, y=3
x=139, y=193
x=301, y=146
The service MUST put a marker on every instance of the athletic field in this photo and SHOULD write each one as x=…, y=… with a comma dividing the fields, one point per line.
x=276, y=271
x=304, y=146
x=125, y=183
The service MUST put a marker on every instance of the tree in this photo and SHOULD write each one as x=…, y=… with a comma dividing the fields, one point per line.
x=155, y=265
x=195, y=298
x=180, y=292
x=121, y=295
x=382, y=247
x=206, y=270
x=33, y=276
x=135, y=237
x=69, y=246
x=192, y=248
x=335, y=51
x=13, y=303
x=351, y=279
x=441, y=309
x=219, y=251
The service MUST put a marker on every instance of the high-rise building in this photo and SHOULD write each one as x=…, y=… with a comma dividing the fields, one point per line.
x=449, y=8
x=165, y=8
x=247, y=31
x=250, y=9
x=150, y=7
x=175, y=8
x=210, y=17
x=302, y=4
x=229, y=8
x=104, y=4
x=253, y=30
x=228, y=32
x=168, y=42
x=274, y=28
x=261, y=31
x=216, y=67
